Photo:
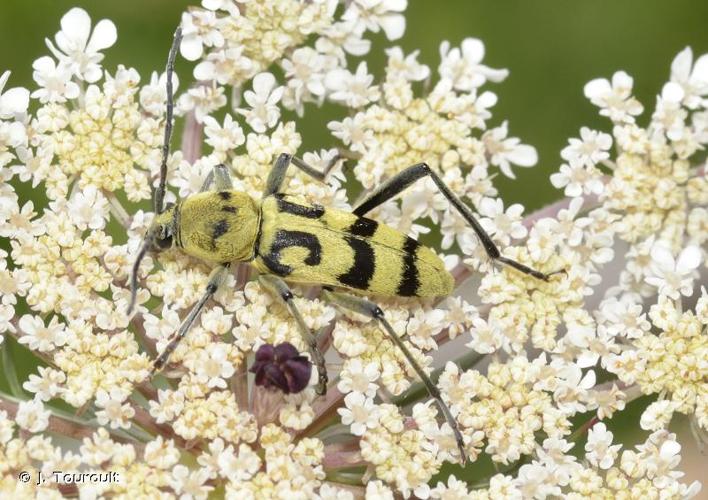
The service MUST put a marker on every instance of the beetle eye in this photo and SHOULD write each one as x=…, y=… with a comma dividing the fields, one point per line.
x=164, y=243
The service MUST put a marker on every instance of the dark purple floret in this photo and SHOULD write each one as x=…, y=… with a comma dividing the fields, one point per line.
x=281, y=367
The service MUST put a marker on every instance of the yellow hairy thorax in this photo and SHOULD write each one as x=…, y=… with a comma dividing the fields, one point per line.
x=219, y=226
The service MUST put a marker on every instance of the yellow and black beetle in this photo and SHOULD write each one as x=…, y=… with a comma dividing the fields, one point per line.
x=289, y=240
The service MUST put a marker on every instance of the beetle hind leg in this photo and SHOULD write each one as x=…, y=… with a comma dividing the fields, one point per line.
x=367, y=308
x=405, y=178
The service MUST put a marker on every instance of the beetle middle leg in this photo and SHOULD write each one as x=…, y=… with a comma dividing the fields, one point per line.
x=368, y=308
x=280, y=168
x=216, y=278
x=279, y=288
x=402, y=180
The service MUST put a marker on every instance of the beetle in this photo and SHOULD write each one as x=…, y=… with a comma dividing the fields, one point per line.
x=290, y=241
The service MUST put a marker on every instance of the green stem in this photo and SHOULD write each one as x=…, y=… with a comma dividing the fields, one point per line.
x=352, y=478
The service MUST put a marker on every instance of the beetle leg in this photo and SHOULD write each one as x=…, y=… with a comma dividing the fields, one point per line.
x=278, y=287
x=368, y=308
x=402, y=180
x=217, y=276
x=280, y=168
x=221, y=178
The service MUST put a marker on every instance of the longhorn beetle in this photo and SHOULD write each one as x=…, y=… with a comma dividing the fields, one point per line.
x=289, y=240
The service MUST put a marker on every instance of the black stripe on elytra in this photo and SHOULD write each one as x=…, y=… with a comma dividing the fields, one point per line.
x=362, y=270
x=408, y=286
x=286, y=239
x=311, y=212
x=363, y=227
x=228, y=208
x=225, y=195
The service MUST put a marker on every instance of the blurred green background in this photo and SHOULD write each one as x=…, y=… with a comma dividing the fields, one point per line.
x=552, y=48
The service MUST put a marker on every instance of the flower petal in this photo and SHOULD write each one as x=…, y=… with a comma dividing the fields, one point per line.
x=104, y=35
x=15, y=100
x=76, y=27
x=681, y=65
x=688, y=260
x=597, y=88
x=523, y=155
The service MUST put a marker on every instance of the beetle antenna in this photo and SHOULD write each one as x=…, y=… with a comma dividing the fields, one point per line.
x=147, y=243
x=160, y=193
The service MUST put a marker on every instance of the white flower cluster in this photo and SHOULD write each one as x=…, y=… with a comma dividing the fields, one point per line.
x=237, y=42
x=92, y=145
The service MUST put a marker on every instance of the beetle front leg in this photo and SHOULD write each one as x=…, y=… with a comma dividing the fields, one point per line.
x=221, y=178
x=217, y=277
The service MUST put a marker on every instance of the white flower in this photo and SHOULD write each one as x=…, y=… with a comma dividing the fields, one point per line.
x=54, y=80
x=203, y=99
x=341, y=38
x=47, y=385
x=241, y=466
x=39, y=337
x=375, y=14
x=673, y=276
x=162, y=326
x=568, y=226
x=357, y=377
x=693, y=78
x=424, y=326
x=213, y=366
x=78, y=48
x=199, y=29
x=625, y=318
x=499, y=223
x=578, y=180
x=589, y=150
x=352, y=132
x=573, y=386
x=154, y=95
x=505, y=151
x=263, y=100
x=615, y=99
x=535, y=481
x=226, y=66
x=406, y=67
x=601, y=452
x=657, y=415
x=190, y=482
x=354, y=90
x=463, y=68
x=32, y=416
x=669, y=116
x=487, y=337
x=7, y=314
x=88, y=208
x=223, y=138
x=12, y=101
x=305, y=73
x=112, y=408
x=360, y=413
